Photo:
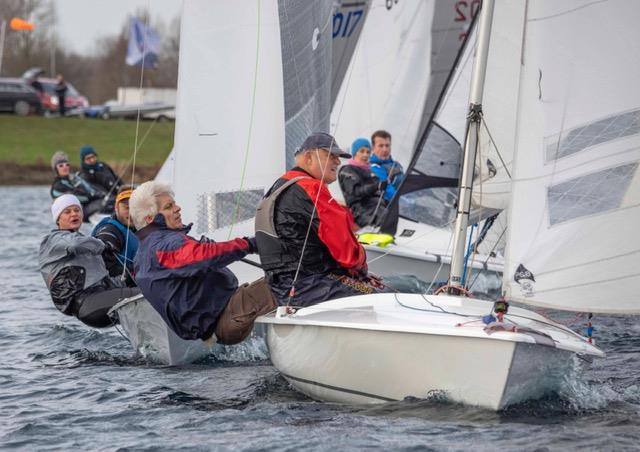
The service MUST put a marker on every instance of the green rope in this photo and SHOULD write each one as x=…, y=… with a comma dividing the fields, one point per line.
x=236, y=211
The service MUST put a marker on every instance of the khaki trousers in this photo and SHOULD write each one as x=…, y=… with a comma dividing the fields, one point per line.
x=247, y=303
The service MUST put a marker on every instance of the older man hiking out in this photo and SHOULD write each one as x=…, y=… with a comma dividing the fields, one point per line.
x=187, y=280
x=305, y=240
x=74, y=271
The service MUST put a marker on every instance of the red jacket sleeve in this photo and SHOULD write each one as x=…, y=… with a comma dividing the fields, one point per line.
x=191, y=257
x=335, y=227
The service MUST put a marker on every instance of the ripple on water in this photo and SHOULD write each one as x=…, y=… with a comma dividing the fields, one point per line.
x=65, y=386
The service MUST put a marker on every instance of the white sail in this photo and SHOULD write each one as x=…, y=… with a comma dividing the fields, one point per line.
x=386, y=84
x=575, y=207
x=249, y=87
x=347, y=24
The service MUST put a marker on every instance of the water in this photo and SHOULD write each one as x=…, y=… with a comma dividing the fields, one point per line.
x=64, y=386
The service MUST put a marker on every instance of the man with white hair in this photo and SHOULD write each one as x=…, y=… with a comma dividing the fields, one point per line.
x=186, y=280
x=74, y=271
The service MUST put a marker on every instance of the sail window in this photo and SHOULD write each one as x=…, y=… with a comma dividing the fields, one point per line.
x=601, y=131
x=218, y=210
x=590, y=194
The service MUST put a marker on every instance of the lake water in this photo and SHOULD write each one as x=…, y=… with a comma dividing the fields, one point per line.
x=66, y=386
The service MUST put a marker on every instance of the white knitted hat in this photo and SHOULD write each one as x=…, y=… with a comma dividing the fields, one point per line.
x=62, y=203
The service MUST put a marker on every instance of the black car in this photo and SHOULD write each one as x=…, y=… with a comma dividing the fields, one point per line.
x=18, y=97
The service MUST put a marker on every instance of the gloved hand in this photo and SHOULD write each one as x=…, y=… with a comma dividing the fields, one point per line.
x=395, y=170
x=253, y=245
x=375, y=281
x=382, y=186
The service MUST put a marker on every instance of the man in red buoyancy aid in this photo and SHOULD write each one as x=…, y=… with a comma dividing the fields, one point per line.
x=305, y=240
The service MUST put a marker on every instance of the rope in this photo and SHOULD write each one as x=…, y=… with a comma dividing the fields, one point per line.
x=135, y=143
x=236, y=211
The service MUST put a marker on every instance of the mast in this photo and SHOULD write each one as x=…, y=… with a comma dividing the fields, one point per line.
x=474, y=118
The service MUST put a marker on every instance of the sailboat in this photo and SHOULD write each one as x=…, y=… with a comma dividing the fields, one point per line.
x=572, y=242
x=252, y=84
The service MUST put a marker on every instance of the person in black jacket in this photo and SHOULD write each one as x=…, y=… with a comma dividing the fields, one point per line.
x=305, y=238
x=66, y=182
x=97, y=173
x=361, y=188
x=61, y=91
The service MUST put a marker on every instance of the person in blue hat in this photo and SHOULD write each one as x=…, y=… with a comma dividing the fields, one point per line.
x=362, y=189
x=98, y=174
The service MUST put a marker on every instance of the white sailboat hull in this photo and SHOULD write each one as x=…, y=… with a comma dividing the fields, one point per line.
x=360, y=351
x=150, y=336
x=424, y=254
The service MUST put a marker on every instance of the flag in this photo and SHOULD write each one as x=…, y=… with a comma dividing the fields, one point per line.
x=20, y=24
x=144, y=44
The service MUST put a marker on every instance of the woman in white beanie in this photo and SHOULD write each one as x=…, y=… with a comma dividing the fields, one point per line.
x=74, y=271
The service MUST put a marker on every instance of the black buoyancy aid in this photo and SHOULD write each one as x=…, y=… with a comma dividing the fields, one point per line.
x=274, y=254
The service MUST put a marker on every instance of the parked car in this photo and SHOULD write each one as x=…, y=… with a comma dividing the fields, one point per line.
x=46, y=88
x=18, y=97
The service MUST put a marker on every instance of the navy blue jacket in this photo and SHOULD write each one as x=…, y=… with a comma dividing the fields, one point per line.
x=186, y=280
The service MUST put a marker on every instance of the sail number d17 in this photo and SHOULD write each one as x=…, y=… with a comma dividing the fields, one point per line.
x=344, y=24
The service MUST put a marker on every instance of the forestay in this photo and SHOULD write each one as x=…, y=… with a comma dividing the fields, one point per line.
x=574, y=242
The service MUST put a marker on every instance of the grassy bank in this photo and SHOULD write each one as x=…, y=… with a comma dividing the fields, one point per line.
x=26, y=145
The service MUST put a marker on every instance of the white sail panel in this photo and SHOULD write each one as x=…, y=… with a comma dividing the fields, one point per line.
x=386, y=84
x=575, y=208
x=230, y=109
x=347, y=24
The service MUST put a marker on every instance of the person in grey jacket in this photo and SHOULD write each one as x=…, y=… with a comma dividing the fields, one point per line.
x=74, y=271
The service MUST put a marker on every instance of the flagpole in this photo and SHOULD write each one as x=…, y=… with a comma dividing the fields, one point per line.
x=3, y=29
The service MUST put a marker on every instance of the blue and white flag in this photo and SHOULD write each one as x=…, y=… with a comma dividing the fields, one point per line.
x=144, y=45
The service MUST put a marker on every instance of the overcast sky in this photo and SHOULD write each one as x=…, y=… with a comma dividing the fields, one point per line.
x=82, y=22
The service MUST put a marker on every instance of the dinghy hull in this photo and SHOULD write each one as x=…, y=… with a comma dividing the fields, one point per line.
x=150, y=336
x=363, y=354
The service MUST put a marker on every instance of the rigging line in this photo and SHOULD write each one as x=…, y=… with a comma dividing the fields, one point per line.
x=122, y=172
x=488, y=257
x=495, y=146
x=236, y=210
x=306, y=237
x=135, y=143
x=315, y=202
x=435, y=277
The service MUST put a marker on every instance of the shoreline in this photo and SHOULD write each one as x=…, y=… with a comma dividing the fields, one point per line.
x=12, y=173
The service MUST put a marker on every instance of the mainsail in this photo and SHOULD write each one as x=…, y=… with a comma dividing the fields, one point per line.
x=253, y=81
x=573, y=239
